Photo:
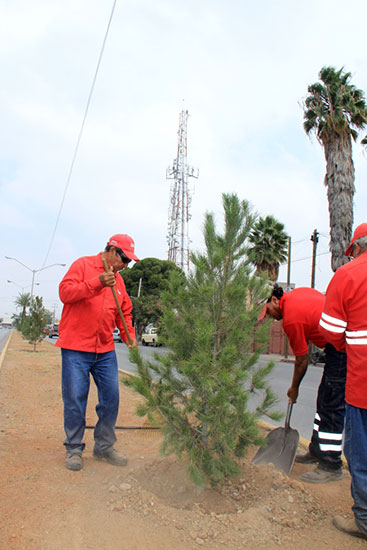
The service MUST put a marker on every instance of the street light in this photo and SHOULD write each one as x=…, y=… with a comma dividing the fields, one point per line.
x=34, y=271
x=20, y=286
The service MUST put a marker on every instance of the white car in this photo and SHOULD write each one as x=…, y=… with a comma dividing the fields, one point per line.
x=116, y=335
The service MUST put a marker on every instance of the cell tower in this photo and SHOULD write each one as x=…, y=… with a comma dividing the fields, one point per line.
x=180, y=200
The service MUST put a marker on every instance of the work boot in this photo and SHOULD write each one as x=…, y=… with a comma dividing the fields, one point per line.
x=322, y=476
x=74, y=461
x=307, y=458
x=112, y=457
x=349, y=526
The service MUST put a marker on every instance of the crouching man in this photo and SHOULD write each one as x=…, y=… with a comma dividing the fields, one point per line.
x=300, y=310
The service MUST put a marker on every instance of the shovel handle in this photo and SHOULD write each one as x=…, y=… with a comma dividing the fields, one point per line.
x=118, y=305
x=288, y=416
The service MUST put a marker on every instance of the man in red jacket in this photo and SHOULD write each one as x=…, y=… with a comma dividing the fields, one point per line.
x=344, y=323
x=88, y=319
x=300, y=311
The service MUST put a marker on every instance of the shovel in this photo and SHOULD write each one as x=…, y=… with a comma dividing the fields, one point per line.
x=281, y=446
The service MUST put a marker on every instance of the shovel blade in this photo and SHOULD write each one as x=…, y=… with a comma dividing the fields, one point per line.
x=280, y=449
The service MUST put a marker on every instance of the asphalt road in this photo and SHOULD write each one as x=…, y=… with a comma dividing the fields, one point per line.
x=304, y=410
x=4, y=335
x=280, y=379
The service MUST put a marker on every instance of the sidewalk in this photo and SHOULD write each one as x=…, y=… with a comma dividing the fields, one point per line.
x=276, y=357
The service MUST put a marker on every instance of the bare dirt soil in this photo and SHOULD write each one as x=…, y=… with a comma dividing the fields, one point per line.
x=151, y=504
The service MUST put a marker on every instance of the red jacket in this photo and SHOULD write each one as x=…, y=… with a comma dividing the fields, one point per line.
x=90, y=314
x=344, y=323
x=301, y=310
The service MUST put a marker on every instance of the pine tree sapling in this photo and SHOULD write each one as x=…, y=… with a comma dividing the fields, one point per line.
x=34, y=323
x=202, y=387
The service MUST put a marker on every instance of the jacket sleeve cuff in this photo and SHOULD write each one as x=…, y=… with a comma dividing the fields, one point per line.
x=95, y=284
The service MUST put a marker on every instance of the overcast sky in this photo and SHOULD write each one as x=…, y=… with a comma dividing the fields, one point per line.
x=240, y=68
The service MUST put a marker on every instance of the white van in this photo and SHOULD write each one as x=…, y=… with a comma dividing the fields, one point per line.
x=150, y=337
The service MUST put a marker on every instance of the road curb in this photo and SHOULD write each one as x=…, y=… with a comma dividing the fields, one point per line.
x=3, y=353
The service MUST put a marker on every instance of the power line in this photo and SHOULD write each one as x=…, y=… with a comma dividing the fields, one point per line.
x=309, y=257
x=301, y=241
x=80, y=132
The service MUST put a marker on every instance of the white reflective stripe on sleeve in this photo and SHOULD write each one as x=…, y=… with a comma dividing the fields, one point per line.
x=331, y=328
x=332, y=437
x=317, y=416
x=316, y=427
x=356, y=333
x=333, y=320
x=335, y=448
x=356, y=341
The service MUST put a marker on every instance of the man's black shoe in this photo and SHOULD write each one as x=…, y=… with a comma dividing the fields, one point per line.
x=307, y=458
x=322, y=476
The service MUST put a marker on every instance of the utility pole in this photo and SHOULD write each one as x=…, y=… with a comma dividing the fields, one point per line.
x=288, y=289
x=180, y=200
x=289, y=265
x=315, y=240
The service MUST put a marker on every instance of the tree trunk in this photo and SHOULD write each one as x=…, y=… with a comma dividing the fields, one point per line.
x=272, y=270
x=339, y=180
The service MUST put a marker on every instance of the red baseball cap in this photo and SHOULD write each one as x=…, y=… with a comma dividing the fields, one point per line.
x=127, y=245
x=360, y=231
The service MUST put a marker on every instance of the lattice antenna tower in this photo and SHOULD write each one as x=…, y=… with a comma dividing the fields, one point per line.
x=180, y=200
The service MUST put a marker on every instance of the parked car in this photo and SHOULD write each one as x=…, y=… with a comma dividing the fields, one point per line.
x=116, y=335
x=54, y=331
x=150, y=337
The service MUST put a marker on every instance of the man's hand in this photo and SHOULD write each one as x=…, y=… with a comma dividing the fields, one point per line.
x=107, y=278
x=133, y=344
x=292, y=393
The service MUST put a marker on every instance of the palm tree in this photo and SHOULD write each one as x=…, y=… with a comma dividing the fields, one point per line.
x=269, y=246
x=336, y=110
x=23, y=301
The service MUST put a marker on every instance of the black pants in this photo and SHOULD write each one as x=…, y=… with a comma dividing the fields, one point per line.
x=326, y=441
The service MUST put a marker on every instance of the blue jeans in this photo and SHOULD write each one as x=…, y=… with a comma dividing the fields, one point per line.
x=76, y=369
x=355, y=450
x=326, y=440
